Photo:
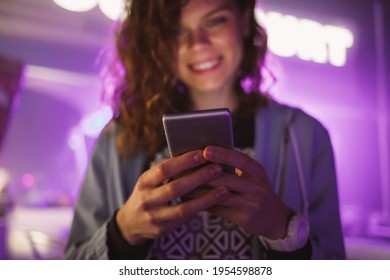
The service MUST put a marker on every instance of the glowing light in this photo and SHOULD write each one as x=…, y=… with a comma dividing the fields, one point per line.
x=339, y=40
x=28, y=180
x=77, y=5
x=75, y=140
x=306, y=39
x=281, y=29
x=94, y=123
x=312, y=45
x=59, y=76
x=113, y=9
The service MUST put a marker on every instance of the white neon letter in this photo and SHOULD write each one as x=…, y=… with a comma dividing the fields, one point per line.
x=282, y=32
x=312, y=44
x=339, y=40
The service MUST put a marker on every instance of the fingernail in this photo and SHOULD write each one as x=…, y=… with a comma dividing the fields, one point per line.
x=222, y=193
x=215, y=170
x=211, y=152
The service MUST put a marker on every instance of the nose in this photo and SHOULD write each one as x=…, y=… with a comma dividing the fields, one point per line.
x=199, y=38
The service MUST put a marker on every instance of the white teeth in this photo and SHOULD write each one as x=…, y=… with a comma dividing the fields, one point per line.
x=205, y=65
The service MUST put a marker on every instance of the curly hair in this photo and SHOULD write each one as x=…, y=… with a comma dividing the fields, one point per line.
x=148, y=86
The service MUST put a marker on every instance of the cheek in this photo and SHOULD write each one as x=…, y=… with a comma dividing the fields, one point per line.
x=232, y=39
x=233, y=48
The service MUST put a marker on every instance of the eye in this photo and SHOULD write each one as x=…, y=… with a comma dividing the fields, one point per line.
x=216, y=21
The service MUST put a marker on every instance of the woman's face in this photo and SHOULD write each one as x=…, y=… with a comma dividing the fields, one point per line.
x=210, y=45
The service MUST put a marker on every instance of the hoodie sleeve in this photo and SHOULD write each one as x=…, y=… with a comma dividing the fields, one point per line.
x=324, y=213
x=319, y=193
x=101, y=194
x=87, y=237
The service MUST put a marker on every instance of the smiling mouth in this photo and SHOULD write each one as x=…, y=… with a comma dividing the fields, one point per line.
x=207, y=65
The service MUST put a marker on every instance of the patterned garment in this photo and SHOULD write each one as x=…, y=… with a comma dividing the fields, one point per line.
x=205, y=236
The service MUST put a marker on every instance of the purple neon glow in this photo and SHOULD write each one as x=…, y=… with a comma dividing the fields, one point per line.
x=60, y=113
x=28, y=180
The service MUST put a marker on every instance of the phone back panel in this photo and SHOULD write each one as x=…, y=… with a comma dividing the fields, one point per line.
x=197, y=129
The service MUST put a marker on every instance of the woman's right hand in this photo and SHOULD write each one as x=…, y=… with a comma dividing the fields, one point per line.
x=147, y=213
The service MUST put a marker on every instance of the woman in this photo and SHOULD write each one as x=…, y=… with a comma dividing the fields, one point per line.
x=281, y=203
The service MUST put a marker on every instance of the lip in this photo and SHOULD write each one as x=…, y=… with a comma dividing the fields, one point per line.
x=205, y=66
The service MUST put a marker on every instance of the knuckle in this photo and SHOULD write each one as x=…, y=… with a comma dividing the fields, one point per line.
x=246, y=219
x=258, y=201
x=141, y=181
x=170, y=190
x=247, y=163
x=158, y=231
x=202, y=177
x=191, y=159
x=181, y=212
x=143, y=202
x=163, y=169
x=151, y=219
x=205, y=175
x=211, y=171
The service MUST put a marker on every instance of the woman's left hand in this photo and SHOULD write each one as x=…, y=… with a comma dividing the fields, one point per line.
x=252, y=204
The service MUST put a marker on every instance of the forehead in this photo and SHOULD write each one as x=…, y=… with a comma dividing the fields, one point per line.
x=205, y=6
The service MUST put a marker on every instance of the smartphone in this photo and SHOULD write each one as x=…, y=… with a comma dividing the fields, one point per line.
x=194, y=130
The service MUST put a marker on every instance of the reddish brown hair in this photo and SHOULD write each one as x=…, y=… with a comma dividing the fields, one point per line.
x=148, y=87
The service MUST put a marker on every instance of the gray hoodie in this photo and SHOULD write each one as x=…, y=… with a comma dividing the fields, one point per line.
x=294, y=148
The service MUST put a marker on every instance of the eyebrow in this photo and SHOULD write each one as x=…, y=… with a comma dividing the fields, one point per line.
x=218, y=9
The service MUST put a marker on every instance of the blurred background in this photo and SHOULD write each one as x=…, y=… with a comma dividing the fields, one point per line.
x=330, y=58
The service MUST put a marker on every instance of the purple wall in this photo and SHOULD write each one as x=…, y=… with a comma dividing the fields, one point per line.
x=348, y=100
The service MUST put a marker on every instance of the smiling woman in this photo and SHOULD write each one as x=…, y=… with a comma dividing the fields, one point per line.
x=210, y=51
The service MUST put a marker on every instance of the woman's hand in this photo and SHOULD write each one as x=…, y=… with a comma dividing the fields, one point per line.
x=147, y=213
x=252, y=204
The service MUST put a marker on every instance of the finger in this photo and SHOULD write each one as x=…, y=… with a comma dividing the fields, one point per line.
x=184, y=184
x=234, y=158
x=227, y=213
x=188, y=209
x=198, y=192
x=164, y=227
x=237, y=201
x=172, y=167
x=235, y=183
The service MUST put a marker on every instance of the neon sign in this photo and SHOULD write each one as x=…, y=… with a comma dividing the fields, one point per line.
x=289, y=36
x=306, y=39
